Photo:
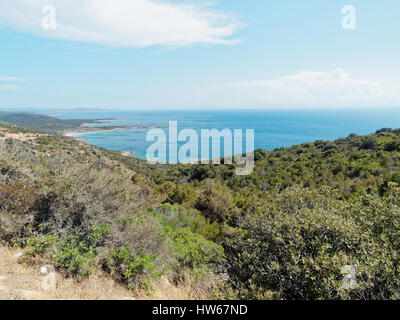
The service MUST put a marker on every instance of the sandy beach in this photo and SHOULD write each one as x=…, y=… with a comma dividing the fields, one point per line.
x=98, y=130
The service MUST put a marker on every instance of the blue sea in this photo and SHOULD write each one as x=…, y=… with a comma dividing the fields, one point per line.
x=273, y=128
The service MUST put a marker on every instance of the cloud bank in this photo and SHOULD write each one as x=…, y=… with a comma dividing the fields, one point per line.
x=123, y=23
x=333, y=88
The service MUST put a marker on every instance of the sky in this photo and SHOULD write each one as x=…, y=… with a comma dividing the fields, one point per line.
x=173, y=54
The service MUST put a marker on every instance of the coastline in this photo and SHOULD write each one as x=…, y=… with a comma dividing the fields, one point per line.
x=74, y=134
x=100, y=130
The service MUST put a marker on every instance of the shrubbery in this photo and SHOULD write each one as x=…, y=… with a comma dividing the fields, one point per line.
x=215, y=201
x=287, y=231
x=84, y=214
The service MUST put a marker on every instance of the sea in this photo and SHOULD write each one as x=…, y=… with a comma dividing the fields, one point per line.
x=272, y=128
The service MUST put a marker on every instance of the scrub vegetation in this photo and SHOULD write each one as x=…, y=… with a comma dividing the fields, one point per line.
x=284, y=232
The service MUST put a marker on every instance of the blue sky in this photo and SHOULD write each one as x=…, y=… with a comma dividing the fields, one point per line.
x=148, y=54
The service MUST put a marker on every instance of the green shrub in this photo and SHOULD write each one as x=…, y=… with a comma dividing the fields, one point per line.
x=297, y=246
x=40, y=246
x=178, y=194
x=181, y=217
x=193, y=250
x=369, y=143
x=215, y=201
x=136, y=271
x=392, y=146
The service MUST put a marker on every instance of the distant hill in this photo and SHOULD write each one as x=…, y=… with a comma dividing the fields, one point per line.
x=40, y=122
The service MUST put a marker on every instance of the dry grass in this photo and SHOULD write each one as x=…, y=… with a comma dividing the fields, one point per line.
x=20, y=135
x=185, y=289
x=25, y=282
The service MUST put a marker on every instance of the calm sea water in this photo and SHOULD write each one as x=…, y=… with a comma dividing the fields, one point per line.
x=273, y=128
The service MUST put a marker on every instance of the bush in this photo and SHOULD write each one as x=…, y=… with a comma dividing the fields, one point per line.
x=136, y=271
x=392, y=146
x=297, y=247
x=193, y=250
x=180, y=217
x=215, y=201
x=369, y=143
x=202, y=172
x=260, y=154
x=178, y=194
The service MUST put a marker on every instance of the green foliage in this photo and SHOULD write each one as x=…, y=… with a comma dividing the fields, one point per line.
x=45, y=123
x=394, y=179
x=215, y=201
x=193, y=250
x=286, y=231
x=260, y=154
x=76, y=256
x=191, y=236
x=392, y=146
x=298, y=244
x=77, y=253
x=202, y=172
x=39, y=246
x=180, y=217
x=178, y=194
x=136, y=271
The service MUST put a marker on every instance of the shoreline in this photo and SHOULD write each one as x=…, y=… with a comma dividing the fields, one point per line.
x=75, y=133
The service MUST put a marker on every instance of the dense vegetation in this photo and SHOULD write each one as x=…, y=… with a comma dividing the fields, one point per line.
x=82, y=211
x=287, y=231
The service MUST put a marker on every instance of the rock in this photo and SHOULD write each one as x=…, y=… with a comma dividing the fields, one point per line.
x=3, y=278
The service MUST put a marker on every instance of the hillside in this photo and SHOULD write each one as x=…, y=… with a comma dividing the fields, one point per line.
x=44, y=123
x=290, y=230
x=84, y=213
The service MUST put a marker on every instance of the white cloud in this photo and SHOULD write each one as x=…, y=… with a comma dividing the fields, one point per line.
x=333, y=88
x=10, y=87
x=126, y=23
x=11, y=79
